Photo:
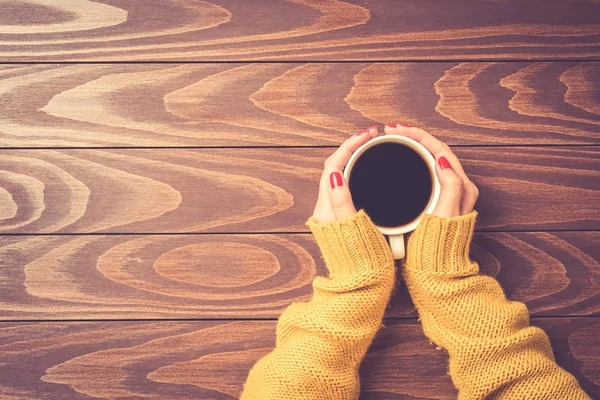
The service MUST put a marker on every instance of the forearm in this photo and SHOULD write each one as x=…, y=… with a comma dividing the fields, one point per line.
x=494, y=352
x=321, y=343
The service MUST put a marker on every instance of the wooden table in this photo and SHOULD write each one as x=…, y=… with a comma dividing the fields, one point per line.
x=159, y=159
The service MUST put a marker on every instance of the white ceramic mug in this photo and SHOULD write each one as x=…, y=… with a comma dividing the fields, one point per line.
x=396, y=234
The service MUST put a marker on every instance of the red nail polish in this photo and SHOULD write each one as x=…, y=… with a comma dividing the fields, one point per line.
x=391, y=125
x=404, y=125
x=444, y=163
x=335, y=180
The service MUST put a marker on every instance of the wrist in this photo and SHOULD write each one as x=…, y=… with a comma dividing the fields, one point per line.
x=441, y=245
x=352, y=246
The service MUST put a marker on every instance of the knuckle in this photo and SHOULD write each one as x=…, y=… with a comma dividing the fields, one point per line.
x=444, y=150
x=455, y=180
x=339, y=207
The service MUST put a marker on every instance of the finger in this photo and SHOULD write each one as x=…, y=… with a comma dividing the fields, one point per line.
x=339, y=159
x=323, y=211
x=470, y=196
x=440, y=149
x=451, y=192
x=341, y=200
x=435, y=146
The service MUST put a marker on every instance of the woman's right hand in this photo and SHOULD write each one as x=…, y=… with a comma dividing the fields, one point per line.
x=458, y=194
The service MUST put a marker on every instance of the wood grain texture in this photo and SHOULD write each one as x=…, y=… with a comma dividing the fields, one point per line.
x=119, y=30
x=266, y=190
x=210, y=360
x=90, y=233
x=257, y=276
x=140, y=105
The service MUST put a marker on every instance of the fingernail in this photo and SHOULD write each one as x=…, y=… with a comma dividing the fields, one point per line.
x=335, y=180
x=444, y=163
x=404, y=125
x=391, y=125
x=371, y=127
x=361, y=133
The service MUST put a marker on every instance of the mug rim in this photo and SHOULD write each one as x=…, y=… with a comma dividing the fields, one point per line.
x=424, y=153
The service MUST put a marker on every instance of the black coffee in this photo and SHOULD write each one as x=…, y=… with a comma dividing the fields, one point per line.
x=392, y=183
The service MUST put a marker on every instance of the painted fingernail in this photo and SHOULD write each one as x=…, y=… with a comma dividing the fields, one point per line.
x=404, y=125
x=444, y=163
x=391, y=125
x=335, y=180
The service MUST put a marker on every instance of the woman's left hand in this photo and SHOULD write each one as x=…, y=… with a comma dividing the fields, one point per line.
x=458, y=193
x=334, y=202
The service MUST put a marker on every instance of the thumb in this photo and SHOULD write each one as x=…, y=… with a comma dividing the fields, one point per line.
x=341, y=200
x=451, y=192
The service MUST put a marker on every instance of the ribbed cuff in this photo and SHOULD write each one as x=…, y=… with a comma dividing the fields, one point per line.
x=351, y=246
x=441, y=245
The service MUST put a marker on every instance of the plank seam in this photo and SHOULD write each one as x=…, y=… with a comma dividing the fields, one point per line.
x=281, y=147
x=388, y=319
x=408, y=60
x=259, y=233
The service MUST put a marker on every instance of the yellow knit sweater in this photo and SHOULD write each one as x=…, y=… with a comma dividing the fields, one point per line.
x=494, y=353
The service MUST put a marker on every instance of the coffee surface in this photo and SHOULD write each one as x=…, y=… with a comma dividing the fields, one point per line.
x=392, y=183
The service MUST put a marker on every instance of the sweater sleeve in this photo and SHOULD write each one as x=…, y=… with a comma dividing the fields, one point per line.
x=494, y=352
x=321, y=343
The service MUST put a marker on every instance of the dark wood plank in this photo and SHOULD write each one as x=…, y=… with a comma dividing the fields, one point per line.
x=257, y=276
x=266, y=190
x=124, y=105
x=120, y=30
x=210, y=360
x=402, y=364
x=167, y=276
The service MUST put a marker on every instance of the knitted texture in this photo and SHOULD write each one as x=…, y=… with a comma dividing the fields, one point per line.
x=321, y=343
x=494, y=352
